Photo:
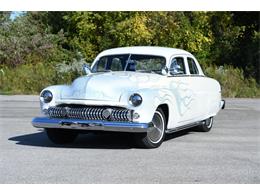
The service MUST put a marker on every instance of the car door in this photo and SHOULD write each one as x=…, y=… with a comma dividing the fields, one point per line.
x=198, y=83
x=182, y=90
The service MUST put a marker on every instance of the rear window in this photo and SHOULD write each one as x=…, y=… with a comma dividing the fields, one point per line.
x=192, y=66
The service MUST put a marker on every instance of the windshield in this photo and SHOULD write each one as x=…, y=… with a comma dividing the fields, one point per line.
x=130, y=62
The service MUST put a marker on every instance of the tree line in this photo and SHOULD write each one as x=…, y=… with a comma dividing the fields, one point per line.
x=63, y=40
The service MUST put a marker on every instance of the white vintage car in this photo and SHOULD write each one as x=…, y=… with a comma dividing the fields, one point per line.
x=147, y=91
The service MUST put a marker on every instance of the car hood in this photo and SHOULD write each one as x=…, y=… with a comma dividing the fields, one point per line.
x=109, y=86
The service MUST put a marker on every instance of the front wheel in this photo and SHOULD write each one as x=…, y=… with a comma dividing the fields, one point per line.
x=61, y=136
x=155, y=137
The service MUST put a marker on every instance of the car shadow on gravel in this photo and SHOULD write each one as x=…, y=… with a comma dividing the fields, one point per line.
x=90, y=140
x=177, y=134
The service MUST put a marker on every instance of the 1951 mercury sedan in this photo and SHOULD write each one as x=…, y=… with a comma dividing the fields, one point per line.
x=147, y=91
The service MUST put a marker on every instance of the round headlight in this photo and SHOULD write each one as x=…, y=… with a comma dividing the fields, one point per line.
x=47, y=96
x=135, y=99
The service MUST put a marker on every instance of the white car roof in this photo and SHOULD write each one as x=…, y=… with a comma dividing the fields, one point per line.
x=148, y=50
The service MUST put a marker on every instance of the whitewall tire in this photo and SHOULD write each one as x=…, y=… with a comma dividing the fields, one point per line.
x=155, y=137
x=206, y=125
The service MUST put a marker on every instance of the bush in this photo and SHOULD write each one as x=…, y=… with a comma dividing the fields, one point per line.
x=233, y=82
x=24, y=42
x=31, y=79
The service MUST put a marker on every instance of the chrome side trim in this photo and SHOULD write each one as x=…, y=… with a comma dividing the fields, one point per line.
x=93, y=125
x=183, y=127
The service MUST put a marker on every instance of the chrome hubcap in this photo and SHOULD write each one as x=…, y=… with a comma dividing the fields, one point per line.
x=156, y=134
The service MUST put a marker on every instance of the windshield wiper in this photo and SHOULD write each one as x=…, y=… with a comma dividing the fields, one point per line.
x=104, y=71
x=150, y=71
x=143, y=71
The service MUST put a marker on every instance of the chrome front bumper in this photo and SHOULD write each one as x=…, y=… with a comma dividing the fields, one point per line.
x=93, y=125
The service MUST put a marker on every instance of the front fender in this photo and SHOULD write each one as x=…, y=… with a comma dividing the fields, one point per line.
x=56, y=91
x=152, y=99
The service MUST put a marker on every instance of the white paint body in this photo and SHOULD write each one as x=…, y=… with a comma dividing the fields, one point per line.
x=190, y=98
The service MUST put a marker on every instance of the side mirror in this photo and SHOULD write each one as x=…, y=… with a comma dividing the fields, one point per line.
x=176, y=71
x=86, y=69
x=165, y=71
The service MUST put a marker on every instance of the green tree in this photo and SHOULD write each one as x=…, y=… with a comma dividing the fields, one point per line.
x=4, y=17
x=58, y=43
x=247, y=50
x=26, y=40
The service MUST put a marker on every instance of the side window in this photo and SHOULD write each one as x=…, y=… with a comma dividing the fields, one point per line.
x=192, y=66
x=113, y=63
x=116, y=65
x=102, y=63
x=177, y=66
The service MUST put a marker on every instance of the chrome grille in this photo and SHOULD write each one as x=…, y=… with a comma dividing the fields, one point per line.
x=91, y=113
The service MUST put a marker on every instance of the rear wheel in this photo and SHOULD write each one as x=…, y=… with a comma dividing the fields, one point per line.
x=206, y=125
x=155, y=137
x=61, y=136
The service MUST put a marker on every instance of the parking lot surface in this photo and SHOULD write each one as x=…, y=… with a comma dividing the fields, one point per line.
x=229, y=153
